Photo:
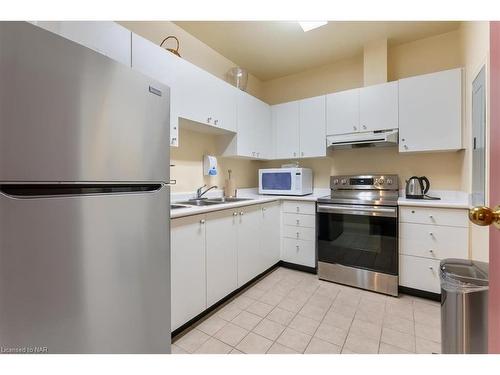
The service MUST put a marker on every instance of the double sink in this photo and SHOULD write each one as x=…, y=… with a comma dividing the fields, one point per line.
x=206, y=202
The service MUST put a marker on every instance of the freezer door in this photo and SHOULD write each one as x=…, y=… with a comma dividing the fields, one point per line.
x=68, y=113
x=85, y=273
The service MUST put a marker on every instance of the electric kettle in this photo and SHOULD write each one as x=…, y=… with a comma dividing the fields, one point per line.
x=417, y=187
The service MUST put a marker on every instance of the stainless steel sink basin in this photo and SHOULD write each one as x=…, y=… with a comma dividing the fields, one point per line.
x=228, y=200
x=176, y=206
x=200, y=202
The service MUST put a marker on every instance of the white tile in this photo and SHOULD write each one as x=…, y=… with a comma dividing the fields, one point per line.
x=431, y=333
x=399, y=324
x=229, y=312
x=304, y=324
x=231, y=334
x=243, y=302
x=320, y=301
x=293, y=339
x=271, y=298
x=260, y=308
x=291, y=304
x=192, y=340
x=314, y=312
x=211, y=325
x=390, y=349
x=348, y=298
x=362, y=327
x=280, y=349
x=399, y=339
x=346, y=310
x=213, y=346
x=269, y=329
x=246, y=320
x=427, y=347
x=361, y=344
x=337, y=320
x=348, y=351
x=299, y=295
x=318, y=346
x=280, y=316
x=236, y=351
x=399, y=309
x=175, y=349
x=371, y=306
x=375, y=317
x=427, y=319
x=254, y=292
x=331, y=334
x=254, y=344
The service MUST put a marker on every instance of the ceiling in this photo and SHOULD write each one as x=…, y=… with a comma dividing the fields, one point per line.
x=272, y=49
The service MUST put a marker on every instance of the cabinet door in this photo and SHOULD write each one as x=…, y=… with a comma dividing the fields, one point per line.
x=105, y=37
x=158, y=63
x=430, y=112
x=263, y=137
x=312, y=127
x=286, y=129
x=222, y=265
x=378, y=107
x=248, y=124
x=223, y=103
x=342, y=112
x=249, y=226
x=270, y=235
x=188, y=275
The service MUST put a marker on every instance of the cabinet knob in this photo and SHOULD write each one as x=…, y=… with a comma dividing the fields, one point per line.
x=235, y=214
x=431, y=234
x=298, y=208
x=355, y=128
x=298, y=222
x=412, y=211
x=202, y=221
x=297, y=234
x=403, y=140
x=209, y=120
x=297, y=247
x=294, y=154
x=241, y=213
x=431, y=217
x=364, y=126
x=431, y=268
x=263, y=208
x=405, y=147
x=216, y=122
x=431, y=251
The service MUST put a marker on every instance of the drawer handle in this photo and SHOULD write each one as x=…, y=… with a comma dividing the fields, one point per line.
x=298, y=222
x=297, y=234
x=241, y=213
x=202, y=221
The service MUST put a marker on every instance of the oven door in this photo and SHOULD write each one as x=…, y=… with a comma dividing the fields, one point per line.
x=359, y=236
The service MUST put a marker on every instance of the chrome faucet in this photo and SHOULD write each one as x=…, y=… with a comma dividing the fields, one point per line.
x=200, y=192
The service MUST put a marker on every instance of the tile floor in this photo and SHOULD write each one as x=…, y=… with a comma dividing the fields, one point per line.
x=290, y=312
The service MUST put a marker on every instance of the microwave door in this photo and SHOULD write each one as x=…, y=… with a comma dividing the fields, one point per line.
x=84, y=269
x=276, y=183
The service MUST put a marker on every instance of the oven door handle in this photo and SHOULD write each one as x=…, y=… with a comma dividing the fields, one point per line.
x=358, y=210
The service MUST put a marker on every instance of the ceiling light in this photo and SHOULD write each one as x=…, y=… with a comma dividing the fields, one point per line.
x=310, y=25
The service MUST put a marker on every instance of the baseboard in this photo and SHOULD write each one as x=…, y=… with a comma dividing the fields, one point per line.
x=298, y=267
x=215, y=306
x=420, y=293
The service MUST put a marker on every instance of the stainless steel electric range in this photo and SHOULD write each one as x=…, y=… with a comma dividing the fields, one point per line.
x=358, y=232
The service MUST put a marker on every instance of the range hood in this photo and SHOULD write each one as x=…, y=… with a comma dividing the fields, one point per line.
x=379, y=138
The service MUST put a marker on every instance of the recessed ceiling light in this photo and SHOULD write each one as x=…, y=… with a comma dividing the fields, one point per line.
x=310, y=25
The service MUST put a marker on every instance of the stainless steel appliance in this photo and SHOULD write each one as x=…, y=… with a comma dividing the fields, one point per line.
x=286, y=181
x=379, y=138
x=358, y=232
x=84, y=201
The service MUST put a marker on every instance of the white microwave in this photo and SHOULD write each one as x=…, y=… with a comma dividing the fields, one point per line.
x=285, y=181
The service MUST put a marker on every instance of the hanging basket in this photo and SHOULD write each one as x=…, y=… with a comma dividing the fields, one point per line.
x=174, y=51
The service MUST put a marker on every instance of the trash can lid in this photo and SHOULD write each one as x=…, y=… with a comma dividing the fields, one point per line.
x=464, y=275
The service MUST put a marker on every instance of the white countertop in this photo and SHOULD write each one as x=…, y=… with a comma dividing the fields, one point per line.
x=449, y=199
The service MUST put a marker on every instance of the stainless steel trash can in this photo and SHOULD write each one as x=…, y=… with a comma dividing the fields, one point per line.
x=464, y=306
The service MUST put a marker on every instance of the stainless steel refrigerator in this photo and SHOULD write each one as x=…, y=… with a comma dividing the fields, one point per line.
x=84, y=200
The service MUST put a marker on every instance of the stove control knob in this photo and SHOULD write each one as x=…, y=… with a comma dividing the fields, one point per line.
x=381, y=181
x=389, y=181
x=344, y=181
x=336, y=181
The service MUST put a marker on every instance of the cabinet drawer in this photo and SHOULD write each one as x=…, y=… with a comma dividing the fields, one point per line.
x=299, y=220
x=299, y=252
x=306, y=208
x=435, y=216
x=419, y=273
x=433, y=241
x=299, y=233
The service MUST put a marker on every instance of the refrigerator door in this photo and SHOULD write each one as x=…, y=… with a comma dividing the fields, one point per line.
x=86, y=273
x=68, y=113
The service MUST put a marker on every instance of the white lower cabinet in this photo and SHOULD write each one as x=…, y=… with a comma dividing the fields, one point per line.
x=270, y=237
x=188, y=268
x=299, y=233
x=428, y=235
x=249, y=226
x=221, y=242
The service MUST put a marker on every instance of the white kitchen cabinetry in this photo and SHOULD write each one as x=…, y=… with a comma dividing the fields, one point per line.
x=204, y=98
x=156, y=62
x=249, y=227
x=312, y=127
x=222, y=244
x=365, y=109
x=342, y=112
x=378, y=107
x=299, y=228
x=426, y=236
x=270, y=238
x=188, y=268
x=106, y=37
x=430, y=112
x=285, y=118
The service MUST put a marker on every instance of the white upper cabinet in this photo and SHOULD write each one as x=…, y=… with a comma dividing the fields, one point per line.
x=105, y=37
x=205, y=98
x=430, y=112
x=378, y=107
x=342, y=112
x=158, y=63
x=285, y=119
x=312, y=127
